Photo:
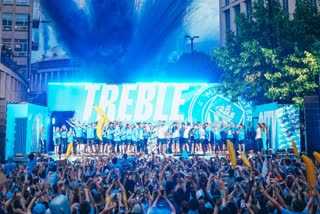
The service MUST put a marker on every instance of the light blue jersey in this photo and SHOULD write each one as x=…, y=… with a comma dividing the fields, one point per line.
x=196, y=134
x=134, y=135
x=110, y=132
x=129, y=134
x=90, y=132
x=241, y=134
x=70, y=136
x=123, y=133
x=140, y=133
x=229, y=131
x=207, y=133
x=217, y=134
x=79, y=131
x=116, y=135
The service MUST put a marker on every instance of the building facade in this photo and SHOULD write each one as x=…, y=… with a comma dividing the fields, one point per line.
x=55, y=69
x=16, y=31
x=230, y=8
x=13, y=89
x=16, y=43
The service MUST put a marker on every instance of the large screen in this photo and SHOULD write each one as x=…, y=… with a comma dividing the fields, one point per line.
x=148, y=102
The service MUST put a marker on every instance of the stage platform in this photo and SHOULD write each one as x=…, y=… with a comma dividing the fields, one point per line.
x=73, y=158
x=23, y=160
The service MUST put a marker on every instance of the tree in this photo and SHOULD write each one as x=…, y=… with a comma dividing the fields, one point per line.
x=296, y=76
x=273, y=57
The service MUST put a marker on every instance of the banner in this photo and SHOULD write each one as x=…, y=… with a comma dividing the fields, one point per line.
x=148, y=102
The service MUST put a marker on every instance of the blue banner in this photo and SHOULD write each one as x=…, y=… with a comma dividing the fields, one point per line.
x=148, y=102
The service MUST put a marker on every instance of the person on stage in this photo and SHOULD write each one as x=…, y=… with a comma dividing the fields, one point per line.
x=223, y=132
x=134, y=142
x=129, y=139
x=264, y=136
x=56, y=139
x=103, y=143
x=79, y=141
x=186, y=137
x=64, y=139
x=116, y=137
x=123, y=136
x=90, y=138
x=96, y=140
x=217, y=139
x=71, y=135
x=175, y=136
x=152, y=141
x=196, y=146
x=110, y=136
x=258, y=138
x=140, y=137
x=43, y=142
x=182, y=128
x=241, y=138
x=202, y=135
x=206, y=143
x=230, y=132
x=250, y=135
x=162, y=140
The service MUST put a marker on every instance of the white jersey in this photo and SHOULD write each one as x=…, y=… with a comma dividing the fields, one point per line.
x=258, y=133
x=202, y=133
x=186, y=132
x=162, y=132
x=176, y=133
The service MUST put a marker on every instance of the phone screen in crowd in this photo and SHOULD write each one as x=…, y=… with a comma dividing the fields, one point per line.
x=243, y=203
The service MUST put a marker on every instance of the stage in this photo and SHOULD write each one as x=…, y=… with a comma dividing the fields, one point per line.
x=62, y=159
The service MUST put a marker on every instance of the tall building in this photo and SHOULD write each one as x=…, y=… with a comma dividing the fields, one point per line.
x=16, y=31
x=16, y=43
x=230, y=8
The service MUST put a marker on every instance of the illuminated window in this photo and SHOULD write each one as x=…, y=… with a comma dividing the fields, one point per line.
x=6, y=21
x=7, y=2
x=21, y=46
x=6, y=43
x=21, y=22
x=22, y=2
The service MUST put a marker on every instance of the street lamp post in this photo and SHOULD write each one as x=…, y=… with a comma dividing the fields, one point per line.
x=192, y=38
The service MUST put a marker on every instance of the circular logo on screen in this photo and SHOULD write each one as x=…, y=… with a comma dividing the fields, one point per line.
x=209, y=106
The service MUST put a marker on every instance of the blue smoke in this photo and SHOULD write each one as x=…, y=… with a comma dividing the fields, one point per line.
x=114, y=34
x=157, y=22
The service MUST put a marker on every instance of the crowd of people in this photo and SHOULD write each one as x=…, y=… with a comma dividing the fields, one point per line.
x=151, y=183
x=195, y=138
